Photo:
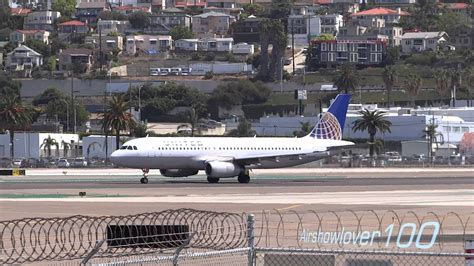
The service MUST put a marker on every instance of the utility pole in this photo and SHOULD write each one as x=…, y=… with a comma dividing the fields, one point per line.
x=100, y=47
x=73, y=103
x=293, y=43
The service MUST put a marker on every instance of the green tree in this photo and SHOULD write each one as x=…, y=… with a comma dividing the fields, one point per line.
x=39, y=46
x=442, y=82
x=51, y=63
x=244, y=129
x=66, y=7
x=117, y=117
x=240, y=92
x=13, y=116
x=305, y=129
x=112, y=15
x=192, y=121
x=449, y=21
x=325, y=37
x=372, y=122
x=140, y=130
x=50, y=94
x=347, y=79
x=389, y=76
x=413, y=85
x=393, y=55
x=181, y=32
x=252, y=9
x=431, y=135
x=48, y=143
x=8, y=86
x=139, y=20
x=280, y=9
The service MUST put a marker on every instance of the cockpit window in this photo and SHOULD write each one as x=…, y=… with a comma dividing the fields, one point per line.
x=123, y=147
x=129, y=148
x=135, y=147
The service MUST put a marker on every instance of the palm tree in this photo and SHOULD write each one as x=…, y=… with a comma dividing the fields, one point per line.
x=347, y=78
x=372, y=121
x=117, y=117
x=470, y=82
x=66, y=147
x=305, y=129
x=389, y=76
x=442, y=82
x=13, y=116
x=431, y=134
x=48, y=143
x=193, y=121
x=244, y=129
x=413, y=85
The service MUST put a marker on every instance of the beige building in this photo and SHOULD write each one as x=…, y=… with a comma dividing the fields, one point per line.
x=75, y=56
x=21, y=36
x=212, y=23
x=108, y=26
x=41, y=20
x=106, y=43
x=149, y=44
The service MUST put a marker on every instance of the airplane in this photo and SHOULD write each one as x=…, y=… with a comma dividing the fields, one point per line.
x=228, y=157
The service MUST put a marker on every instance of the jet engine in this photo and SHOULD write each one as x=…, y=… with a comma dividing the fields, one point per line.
x=222, y=169
x=178, y=172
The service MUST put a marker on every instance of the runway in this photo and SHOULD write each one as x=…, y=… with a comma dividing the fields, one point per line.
x=48, y=193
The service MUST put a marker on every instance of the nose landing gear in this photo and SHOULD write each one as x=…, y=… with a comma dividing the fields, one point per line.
x=144, y=179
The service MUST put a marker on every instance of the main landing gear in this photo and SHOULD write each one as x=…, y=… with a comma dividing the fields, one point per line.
x=244, y=177
x=212, y=180
x=144, y=179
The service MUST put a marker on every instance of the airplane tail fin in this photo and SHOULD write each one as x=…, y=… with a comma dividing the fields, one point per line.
x=331, y=124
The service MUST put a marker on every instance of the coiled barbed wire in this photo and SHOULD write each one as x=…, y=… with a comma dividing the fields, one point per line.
x=66, y=238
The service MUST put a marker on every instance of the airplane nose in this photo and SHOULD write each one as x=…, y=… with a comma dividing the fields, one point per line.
x=114, y=157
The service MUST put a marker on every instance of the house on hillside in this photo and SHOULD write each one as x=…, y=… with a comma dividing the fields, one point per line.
x=415, y=42
x=149, y=44
x=129, y=9
x=72, y=28
x=116, y=26
x=41, y=20
x=21, y=36
x=23, y=58
x=389, y=15
x=211, y=23
x=89, y=11
x=71, y=57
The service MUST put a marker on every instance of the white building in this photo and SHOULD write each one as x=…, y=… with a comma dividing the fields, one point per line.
x=206, y=44
x=30, y=145
x=149, y=44
x=108, y=26
x=243, y=48
x=23, y=58
x=94, y=146
x=414, y=42
x=302, y=28
x=331, y=23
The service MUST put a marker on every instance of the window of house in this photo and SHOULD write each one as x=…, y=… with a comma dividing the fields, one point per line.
x=324, y=46
x=331, y=57
x=417, y=42
x=408, y=42
x=324, y=57
x=456, y=129
x=465, y=129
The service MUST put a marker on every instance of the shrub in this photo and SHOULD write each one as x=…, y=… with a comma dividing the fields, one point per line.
x=195, y=57
x=208, y=75
x=210, y=56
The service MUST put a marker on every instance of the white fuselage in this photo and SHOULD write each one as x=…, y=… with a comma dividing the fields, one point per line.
x=193, y=153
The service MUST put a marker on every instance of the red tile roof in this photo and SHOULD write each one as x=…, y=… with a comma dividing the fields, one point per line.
x=72, y=23
x=457, y=5
x=323, y=2
x=185, y=4
x=379, y=11
x=125, y=8
x=30, y=31
x=19, y=11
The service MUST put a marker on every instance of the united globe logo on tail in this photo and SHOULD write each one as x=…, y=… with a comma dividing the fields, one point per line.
x=331, y=124
x=327, y=128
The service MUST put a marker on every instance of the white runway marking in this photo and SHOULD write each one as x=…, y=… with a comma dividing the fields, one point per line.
x=452, y=197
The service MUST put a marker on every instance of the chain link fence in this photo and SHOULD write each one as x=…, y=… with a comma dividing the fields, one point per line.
x=193, y=237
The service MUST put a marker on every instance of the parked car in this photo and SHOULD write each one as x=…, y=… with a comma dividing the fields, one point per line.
x=154, y=71
x=175, y=71
x=17, y=162
x=393, y=157
x=164, y=71
x=79, y=162
x=186, y=71
x=63, y=163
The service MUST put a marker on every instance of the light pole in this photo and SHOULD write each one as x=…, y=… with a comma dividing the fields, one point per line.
x=281, y=75
x=139, y=103
x=67, y=114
